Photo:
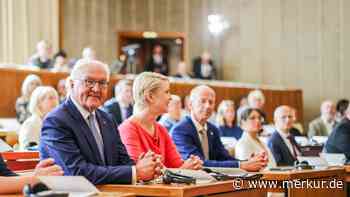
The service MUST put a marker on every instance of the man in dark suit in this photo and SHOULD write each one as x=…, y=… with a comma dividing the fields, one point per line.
x=120, y=107
x=339, y=140
x=84, y=140
x=203, y=67
x=158, y=62
x=282, y=143
x=195, y=135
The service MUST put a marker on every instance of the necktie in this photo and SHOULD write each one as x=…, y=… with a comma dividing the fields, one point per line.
x=294, y=146
x=97, y=135
x=204, y=142
x=128, y=111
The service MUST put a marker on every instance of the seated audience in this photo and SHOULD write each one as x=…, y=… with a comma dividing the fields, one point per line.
x=341, y=107
x=11, y=183
x=243, y=104
x=182, y=71
x=323, y=125
x=250, y=144
x=158, y=61
x=282, y=144
x=42, y=57
x=339, y=139
x=203, y=67
x=121, y=106
x=225, y=119
x=60, y=62
x=62, y=90
x=194, y=135
x=89, y=53
x=169, y=119
x=42, y=101
x=29, y=84
x=84, y=140
x=141, y=132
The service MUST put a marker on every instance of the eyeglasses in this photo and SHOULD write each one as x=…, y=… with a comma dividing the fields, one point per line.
x=261, y=119
x=90, y=83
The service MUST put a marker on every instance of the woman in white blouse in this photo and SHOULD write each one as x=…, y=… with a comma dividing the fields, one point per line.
x=42, y=101
x=250, y=144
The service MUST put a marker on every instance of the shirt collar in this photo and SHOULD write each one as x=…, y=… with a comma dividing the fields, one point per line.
x=283, y=134
x=85, y=113
x=198, y=126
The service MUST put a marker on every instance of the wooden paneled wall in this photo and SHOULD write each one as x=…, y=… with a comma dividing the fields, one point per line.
x=224, y=90
x=293, y=43
x=22, y=24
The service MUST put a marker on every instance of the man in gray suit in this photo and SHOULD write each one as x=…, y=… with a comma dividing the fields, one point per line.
x=323, y=125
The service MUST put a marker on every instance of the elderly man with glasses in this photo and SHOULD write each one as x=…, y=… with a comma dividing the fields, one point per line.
x=84, y=140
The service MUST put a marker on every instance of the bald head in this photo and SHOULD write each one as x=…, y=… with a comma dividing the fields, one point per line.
x=283, y=118
x=328, y=110
x=202, y=103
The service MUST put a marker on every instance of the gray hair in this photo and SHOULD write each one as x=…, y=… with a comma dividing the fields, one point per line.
x=144, y=83
x=122, y=83
x=38, y=95
x=255, y=94
x=82, y=65
x=27, y=81
x=196, y=90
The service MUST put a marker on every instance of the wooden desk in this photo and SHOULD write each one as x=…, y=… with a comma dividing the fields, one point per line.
x=218, y=189
x=326, y=175
x=347, y=173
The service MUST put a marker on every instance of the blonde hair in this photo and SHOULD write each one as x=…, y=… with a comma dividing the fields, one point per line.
x=38, y=95
x=145, y=83
x=26, y=83
x=223, y=106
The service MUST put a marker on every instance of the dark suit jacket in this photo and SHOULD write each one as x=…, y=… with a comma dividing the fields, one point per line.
x=152, y=66
x=280, y=150
x=112, y=107
x=66, y=137
x=187, y=141
x=197, y=69
x=339, y=140
x=4, y=171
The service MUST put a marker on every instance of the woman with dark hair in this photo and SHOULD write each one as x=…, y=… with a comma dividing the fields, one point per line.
x=341, y=107
x=250, y=144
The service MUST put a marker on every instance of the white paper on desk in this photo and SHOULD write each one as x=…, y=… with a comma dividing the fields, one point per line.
x=200, y=176
x=76, y=186
x=314, y=161
x=334, y=159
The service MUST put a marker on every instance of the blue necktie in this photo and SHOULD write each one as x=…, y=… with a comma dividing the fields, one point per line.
x=97, y=135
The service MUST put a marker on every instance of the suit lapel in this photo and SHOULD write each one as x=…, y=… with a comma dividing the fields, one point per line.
x=195, y=135
x=284, y=146
x=85, y=130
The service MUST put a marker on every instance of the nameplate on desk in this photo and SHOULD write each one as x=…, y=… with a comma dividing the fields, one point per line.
x=76, y=186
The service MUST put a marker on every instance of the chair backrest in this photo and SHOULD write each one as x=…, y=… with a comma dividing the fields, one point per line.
x=19, y=161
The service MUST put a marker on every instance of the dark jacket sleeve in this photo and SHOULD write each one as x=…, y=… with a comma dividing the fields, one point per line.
x=60, y=143
x=4, y=171
x=181, y=134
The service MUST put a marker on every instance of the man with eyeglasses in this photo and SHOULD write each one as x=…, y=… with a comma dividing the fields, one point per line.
x=194, y=135
x=282, y=144
x=84, y=140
